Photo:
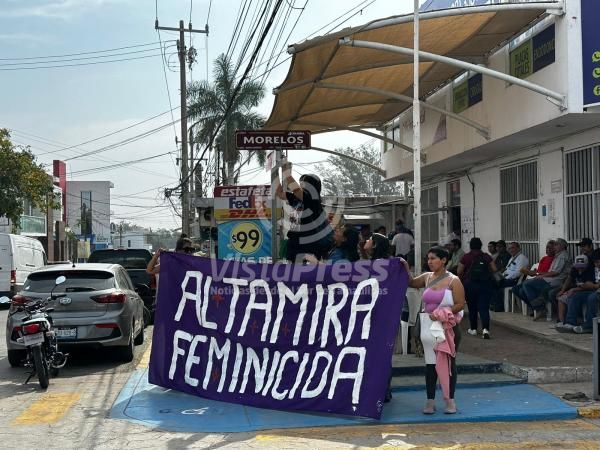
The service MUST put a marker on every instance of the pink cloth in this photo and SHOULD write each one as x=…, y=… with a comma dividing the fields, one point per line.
x=446, y=350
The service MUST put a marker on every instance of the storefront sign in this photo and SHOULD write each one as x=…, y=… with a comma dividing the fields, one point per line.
x=590, y=36
x=242, y=202
x=533, y=54
x=468, y=93
x=281, y=336
x=269, y=140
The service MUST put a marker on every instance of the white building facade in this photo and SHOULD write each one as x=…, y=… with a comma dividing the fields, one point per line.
x=537, y=174
x=88, y=211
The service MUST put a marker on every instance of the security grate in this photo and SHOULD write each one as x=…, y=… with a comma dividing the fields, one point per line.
x=582, y=195
x=519, y=207
x=430, y=224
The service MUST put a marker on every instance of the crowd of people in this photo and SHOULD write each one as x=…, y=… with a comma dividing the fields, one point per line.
x=450, y=277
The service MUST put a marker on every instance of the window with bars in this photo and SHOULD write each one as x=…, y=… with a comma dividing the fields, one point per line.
x=582, y=194
x=519, y=207
x=430, y=224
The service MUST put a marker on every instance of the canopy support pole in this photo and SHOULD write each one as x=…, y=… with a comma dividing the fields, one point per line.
x=483, y=130
x=554, y=97
x=377, y=169
x=335, y=127
x=416, y=144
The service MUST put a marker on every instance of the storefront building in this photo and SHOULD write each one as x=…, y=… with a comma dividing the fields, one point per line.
x=534, y=173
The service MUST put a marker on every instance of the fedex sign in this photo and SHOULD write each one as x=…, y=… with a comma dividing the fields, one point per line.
x=248, y=203
x=242, y=202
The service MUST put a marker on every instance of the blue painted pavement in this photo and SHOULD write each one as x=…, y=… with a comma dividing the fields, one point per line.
x=146, y=404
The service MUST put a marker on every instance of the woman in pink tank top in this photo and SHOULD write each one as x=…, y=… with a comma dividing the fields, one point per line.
x=442, y=289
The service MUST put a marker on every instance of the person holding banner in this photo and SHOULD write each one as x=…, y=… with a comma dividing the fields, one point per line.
x=183, y=245
x=310, y=232
x=345, y=248
x=443, y=300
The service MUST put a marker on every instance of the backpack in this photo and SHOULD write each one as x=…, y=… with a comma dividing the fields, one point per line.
x=479, y=270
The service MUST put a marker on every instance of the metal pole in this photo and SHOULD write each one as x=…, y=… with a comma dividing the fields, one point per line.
x=185, y=202
x=192, y=186
x=416, y=143
x=595, y=375
x=274, y=227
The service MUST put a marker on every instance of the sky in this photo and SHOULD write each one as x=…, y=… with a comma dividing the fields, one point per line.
x=66, y=112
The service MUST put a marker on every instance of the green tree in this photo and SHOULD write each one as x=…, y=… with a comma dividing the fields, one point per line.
x=207, y=105
x=343, y=176
x=22, y=179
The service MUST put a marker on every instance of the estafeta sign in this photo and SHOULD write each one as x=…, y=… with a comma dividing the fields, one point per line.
x=269, y=140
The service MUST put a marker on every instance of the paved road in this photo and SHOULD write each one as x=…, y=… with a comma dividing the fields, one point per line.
x=73, y=414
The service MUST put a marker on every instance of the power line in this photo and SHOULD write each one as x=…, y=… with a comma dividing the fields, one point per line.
x=118, y=165
x=81, y=64
x=80, y=59
x=237, y=88
x=80, y=53
x=208, y=15
x=119, y=130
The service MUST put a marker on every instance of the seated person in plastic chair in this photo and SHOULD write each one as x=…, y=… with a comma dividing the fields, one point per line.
x=577, y=284
x=588, y=295
x=534, y=290
x=511, y=274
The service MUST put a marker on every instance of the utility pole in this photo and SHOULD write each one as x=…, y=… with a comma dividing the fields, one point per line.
x=186, y=206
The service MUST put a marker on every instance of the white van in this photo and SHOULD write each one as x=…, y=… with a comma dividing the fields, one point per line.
x=19, y=256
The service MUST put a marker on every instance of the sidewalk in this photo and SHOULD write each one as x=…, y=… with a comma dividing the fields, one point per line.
x=544, y=330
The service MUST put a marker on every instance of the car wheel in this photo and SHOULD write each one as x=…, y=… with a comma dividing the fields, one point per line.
x=16, y=357
x=139, y=339
x=125, y=353
x=148, y=316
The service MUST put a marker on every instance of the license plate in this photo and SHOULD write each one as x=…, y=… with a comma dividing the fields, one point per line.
x=32, y=339
x=65, y=333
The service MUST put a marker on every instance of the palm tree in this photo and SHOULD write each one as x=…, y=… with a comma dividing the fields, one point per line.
x=207, y=105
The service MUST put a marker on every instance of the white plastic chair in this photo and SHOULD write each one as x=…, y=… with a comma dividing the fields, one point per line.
x=523, y=304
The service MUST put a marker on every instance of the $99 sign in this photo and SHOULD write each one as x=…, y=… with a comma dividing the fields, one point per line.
x=246, y=237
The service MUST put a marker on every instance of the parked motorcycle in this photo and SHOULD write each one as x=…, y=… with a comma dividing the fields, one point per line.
x=37, y=335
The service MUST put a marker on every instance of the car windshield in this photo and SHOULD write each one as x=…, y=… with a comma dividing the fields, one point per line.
x=77, y=281
x=129, y=259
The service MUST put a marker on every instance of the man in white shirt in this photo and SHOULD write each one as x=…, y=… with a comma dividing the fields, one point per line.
x=403, y=240
x=518, y=261
x=511, y=273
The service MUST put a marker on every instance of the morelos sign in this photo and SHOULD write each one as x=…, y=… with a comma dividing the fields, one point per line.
x=268, y=140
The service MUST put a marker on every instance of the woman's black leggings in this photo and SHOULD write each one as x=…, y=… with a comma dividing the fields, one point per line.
x=431, y=379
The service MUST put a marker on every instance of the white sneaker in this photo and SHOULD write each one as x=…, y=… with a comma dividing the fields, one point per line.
x=472, y=332
x=485, y=333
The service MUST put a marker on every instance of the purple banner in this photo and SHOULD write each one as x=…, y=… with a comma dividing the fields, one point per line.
x=281, y=336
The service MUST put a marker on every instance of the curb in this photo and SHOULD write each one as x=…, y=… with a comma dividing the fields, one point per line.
x=543, y=375
x=491, y=367
x=589, y=412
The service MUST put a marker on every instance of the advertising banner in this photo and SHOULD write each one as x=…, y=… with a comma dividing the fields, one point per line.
x=245, y=240
x=242, y=202
x=590, y=36
x=533, y=54
x=282, y=336
x=468, y=93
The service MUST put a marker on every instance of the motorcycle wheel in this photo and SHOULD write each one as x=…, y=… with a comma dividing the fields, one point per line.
x=40, y=366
